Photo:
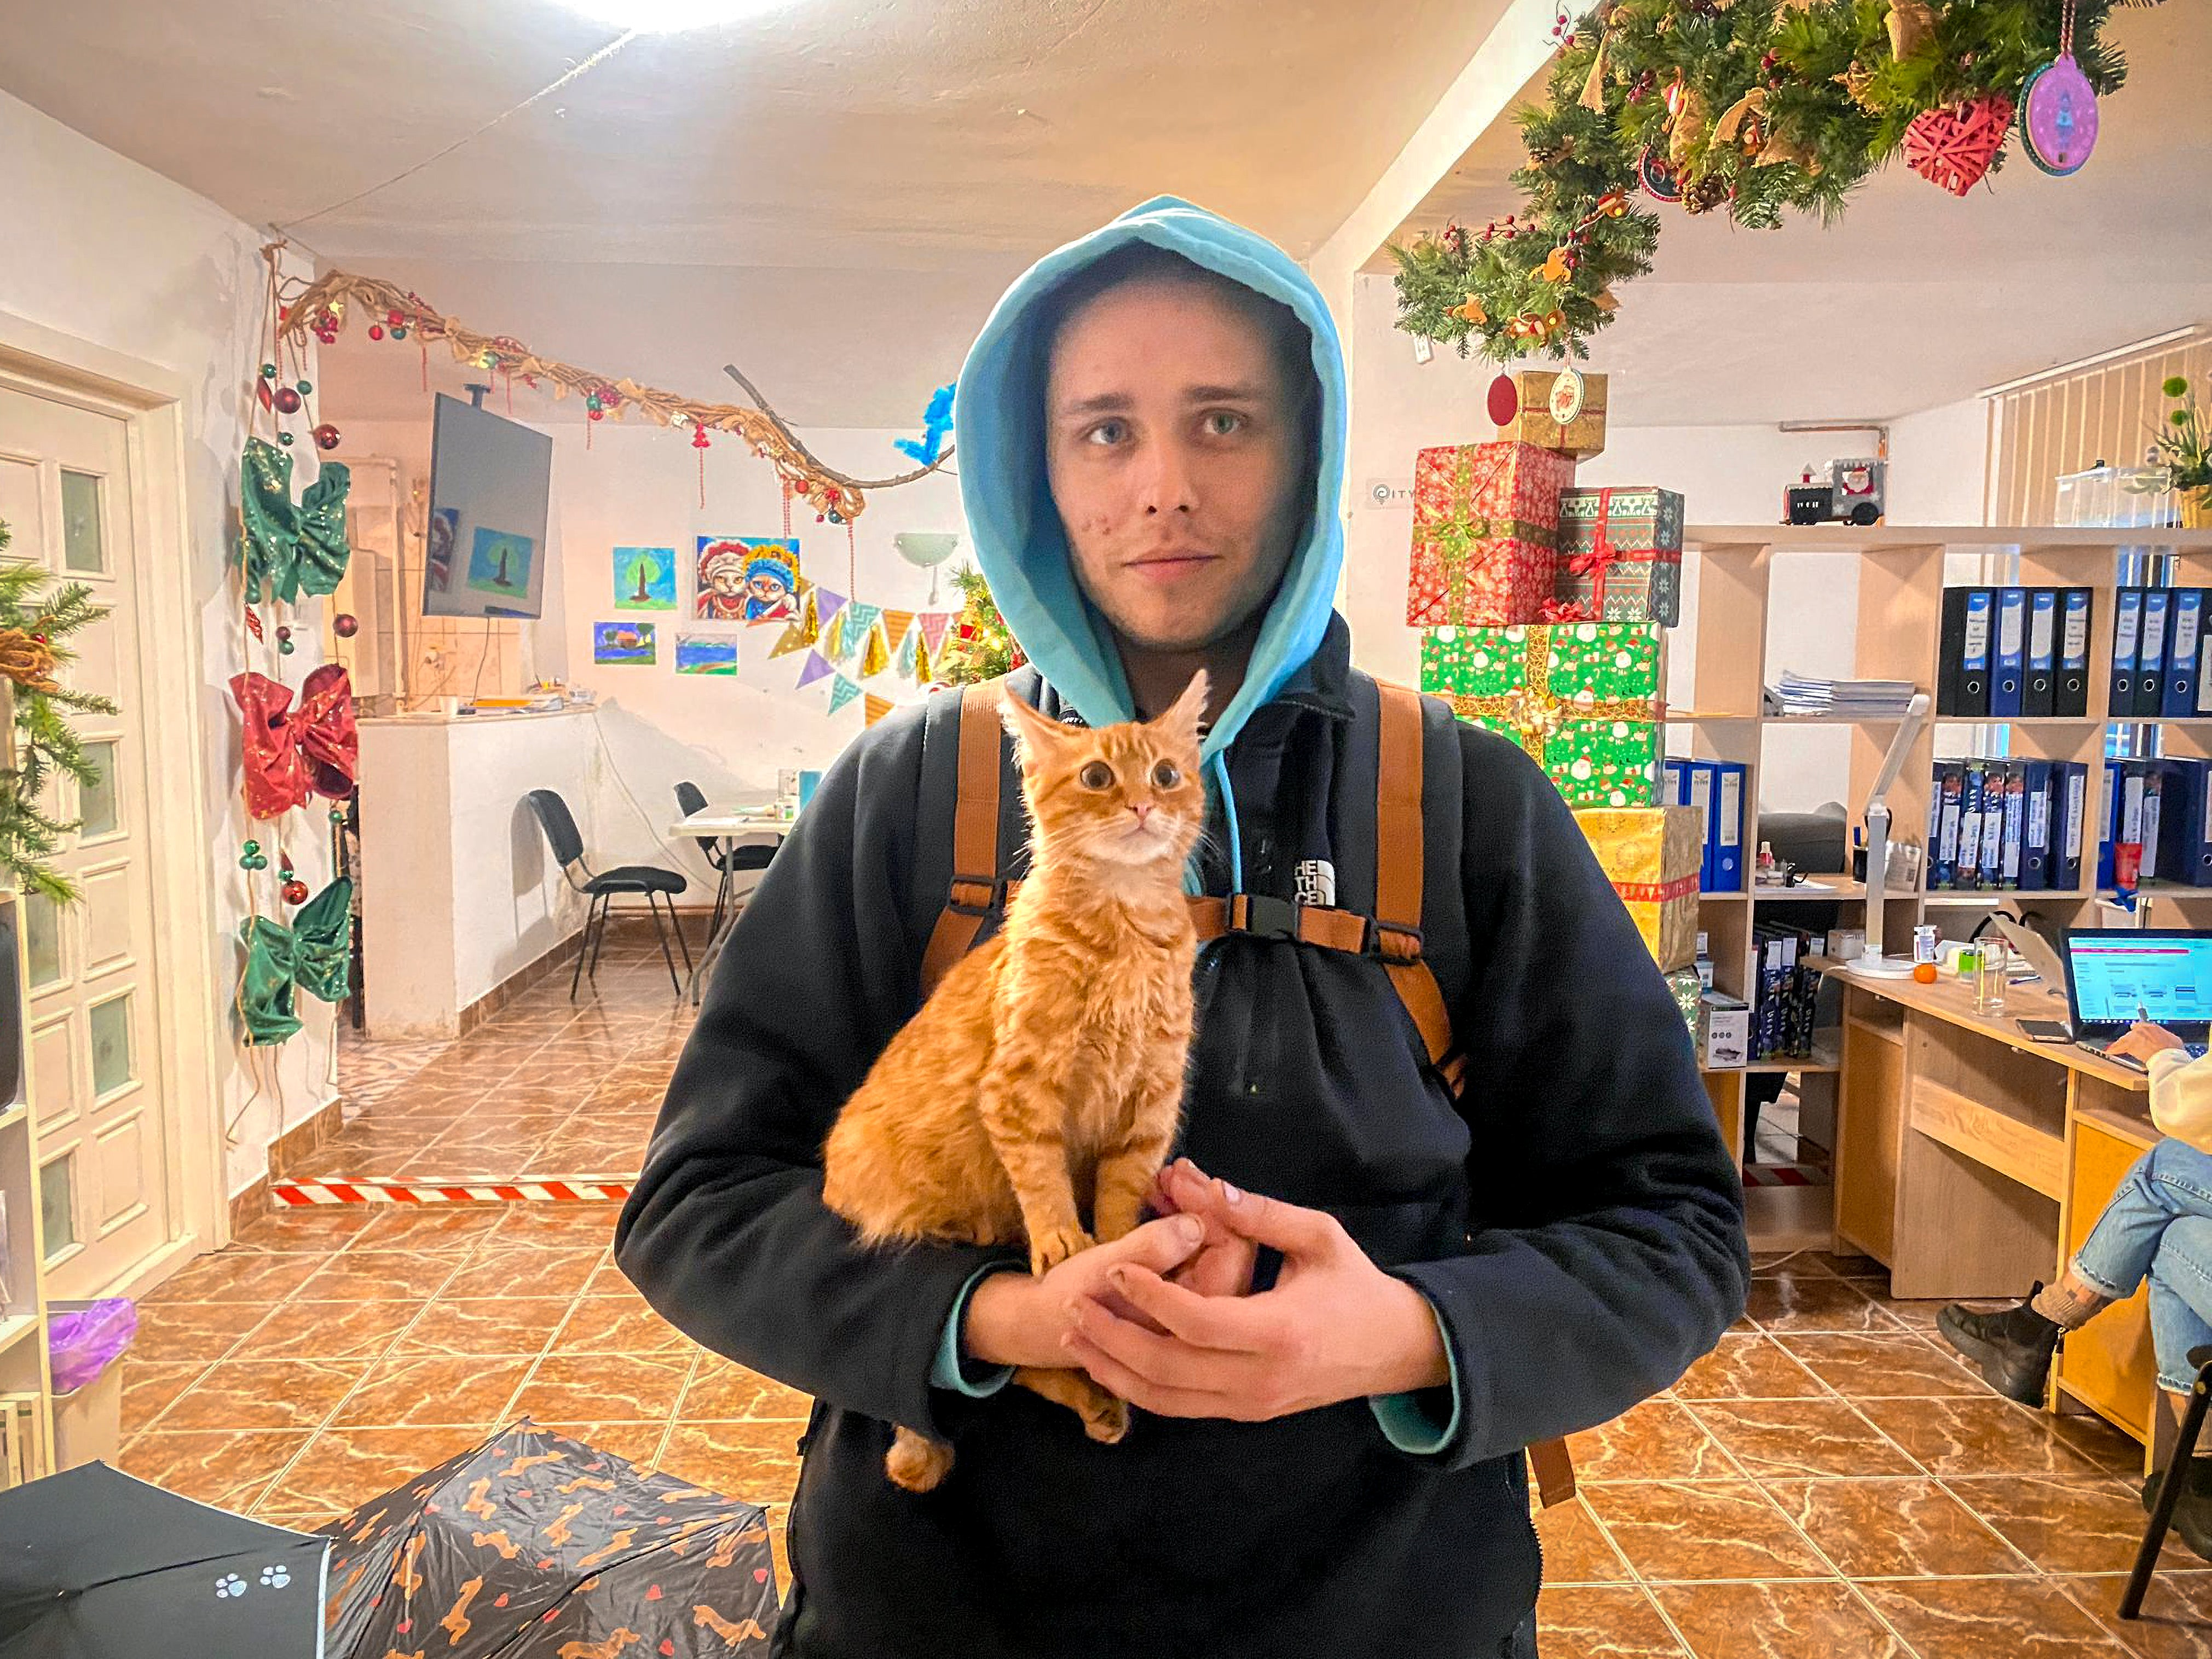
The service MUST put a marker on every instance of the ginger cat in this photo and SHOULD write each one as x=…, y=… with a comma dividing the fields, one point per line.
x=1043, y=1081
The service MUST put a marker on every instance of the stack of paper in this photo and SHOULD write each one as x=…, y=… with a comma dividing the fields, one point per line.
x=1803, y=697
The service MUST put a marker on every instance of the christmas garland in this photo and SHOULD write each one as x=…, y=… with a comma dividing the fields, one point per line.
x=33, y=620
x=1754, y=107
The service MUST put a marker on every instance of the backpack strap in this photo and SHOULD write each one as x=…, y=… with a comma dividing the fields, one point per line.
x=1400, y=875
x=975, y=890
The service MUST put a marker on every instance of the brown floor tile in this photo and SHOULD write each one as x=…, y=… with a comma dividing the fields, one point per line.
x=1658, y=1440
x=1894, y=1529
x=342, y=1467
x=404, y=1393
x=2065, y=1526
x=637, y=1441
x=2175, y=1621
x=193, y=1330
x=1777, y=1621
x=1985, y=1618
x=592, y=1154
x=228, y=1468
x=1602, y=1622
x=314, y=1231
x=500, y=1273
x=447, y=1228
x=618, y=1325
x=569, y=1226
x=1981, y=1436
x=1672, y=1530
x=366, y=1275
x=1574, y=1547
x=603, y=1388
x=1804, y=1302
x=1749, y=1368
x=1877, y=1367
x=265, y=1394
x=2110, y=1449
x=756, y=1461
x=721, y=1390
x=255, y=1276
x=1781, y=1437
x=328, y=1330
x=516, y=1325
x=488, y=1125
x=149, y=1386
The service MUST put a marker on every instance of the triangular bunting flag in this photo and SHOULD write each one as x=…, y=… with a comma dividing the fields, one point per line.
x=934, y=624
x=876, y=707
x=842, y=692
x=922, y=667
x=860, y=618
x=909, y=643
x=896, y=623
x=815, y=669
x=829, y=605
x=794, y=639
x=875, y=654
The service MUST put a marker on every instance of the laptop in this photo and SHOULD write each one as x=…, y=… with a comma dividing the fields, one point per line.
x=2117, y=976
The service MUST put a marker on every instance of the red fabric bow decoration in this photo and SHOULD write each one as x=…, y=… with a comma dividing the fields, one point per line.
x=1567, y=611
x=291, y=754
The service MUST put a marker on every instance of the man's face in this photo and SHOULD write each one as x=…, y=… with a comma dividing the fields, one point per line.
x=1173, y=448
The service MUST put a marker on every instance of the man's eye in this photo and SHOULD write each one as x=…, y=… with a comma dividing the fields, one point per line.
x=1106, y=433
x=1225, y=423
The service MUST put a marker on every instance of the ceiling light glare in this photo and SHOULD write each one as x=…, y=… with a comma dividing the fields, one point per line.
x=669, y=16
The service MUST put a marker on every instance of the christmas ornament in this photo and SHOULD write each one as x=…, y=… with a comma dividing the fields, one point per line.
x=398, y=333
x=1471, y=311
x=1705, y=192
x=303, y=387
x=250, y=857
x=1912, y=25
x=1566, y=400
x=327, y=436
x=1954, y=146
x=285, y=439
x=338, y=815
x=294, y=891
x=1503, y=401
x=376, y=330
x=286, y=400
x=268, y=370
x=1692, y=117
x=1658, y=176
x=2058, y=110
x=345, y=624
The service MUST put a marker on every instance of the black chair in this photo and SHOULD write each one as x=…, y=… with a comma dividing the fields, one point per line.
x=723, y=857
x=2171, y=1482
x=560, y=828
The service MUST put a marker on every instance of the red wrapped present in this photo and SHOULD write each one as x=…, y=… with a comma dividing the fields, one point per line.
x=1486, y=534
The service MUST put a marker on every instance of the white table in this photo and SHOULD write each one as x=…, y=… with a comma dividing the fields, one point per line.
x=726, y=824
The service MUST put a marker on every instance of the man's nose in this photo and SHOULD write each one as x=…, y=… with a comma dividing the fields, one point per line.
x=1167, y=480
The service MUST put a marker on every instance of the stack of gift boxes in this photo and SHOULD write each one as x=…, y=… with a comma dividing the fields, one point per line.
x=1541, y=605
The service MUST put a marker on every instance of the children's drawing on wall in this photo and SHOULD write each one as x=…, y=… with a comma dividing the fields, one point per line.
x=747, y=579
x=499, y=562
x=624, y=642
x=706, y=653
x=438, y=554
x=645, y=578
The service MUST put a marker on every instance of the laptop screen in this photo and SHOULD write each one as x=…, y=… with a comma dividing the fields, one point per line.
x=2167, y=976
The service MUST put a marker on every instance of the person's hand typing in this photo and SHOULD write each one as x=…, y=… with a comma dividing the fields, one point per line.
x=2143, y=1040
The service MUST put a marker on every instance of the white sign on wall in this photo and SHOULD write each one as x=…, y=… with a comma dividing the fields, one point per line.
x=1394, y=494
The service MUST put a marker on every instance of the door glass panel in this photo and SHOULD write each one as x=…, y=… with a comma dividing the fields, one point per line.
x=111, y=1044
x=95, y=801
x=83, y=545
x=58, y=1203
x=42, y=939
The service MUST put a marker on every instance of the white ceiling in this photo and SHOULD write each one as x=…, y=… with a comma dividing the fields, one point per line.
x=1916, y=298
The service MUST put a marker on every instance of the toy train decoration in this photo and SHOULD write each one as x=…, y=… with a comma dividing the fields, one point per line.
x=1851, y=492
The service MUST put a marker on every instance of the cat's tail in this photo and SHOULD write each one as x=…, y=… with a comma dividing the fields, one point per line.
x=917, y=1462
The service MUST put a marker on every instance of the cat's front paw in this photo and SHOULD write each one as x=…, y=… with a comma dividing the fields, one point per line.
x=1048, y=1249
x=1108, y=1422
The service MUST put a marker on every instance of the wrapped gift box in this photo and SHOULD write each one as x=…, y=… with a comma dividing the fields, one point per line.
x=1620, y=554
x=1651, y=855
x=1535, y=416
x=1486, y=530
x=1583, y=698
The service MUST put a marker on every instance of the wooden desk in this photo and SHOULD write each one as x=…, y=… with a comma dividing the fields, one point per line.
x=1972, y=1161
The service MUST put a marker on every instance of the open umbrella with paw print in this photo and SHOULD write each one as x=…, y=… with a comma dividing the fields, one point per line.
x=96, y=1564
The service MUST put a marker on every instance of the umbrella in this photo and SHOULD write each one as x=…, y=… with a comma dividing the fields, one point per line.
x=94, y=1565
x=533, y=1546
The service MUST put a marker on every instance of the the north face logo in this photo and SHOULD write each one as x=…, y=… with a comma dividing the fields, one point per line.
x=1317, y=883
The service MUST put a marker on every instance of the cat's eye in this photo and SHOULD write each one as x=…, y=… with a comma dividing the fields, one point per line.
x=1166, y=775
x=1097, y=775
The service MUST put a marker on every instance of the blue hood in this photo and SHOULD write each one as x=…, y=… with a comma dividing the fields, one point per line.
x=999, y=430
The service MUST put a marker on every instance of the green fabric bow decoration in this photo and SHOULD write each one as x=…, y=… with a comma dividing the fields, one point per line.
x=291, y=547
x=315, y=953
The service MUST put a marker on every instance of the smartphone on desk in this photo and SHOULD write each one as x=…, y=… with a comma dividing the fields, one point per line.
x=2043, y=1031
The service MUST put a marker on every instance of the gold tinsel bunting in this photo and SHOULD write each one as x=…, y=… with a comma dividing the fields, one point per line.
x=875, y=654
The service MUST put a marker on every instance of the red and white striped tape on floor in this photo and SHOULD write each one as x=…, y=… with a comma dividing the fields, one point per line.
x=302, y=1194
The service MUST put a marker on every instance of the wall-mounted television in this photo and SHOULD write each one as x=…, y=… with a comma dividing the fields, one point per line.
x=491, y=480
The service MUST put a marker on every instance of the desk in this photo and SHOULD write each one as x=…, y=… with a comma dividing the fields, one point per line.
x=725, y=824
x=1971, y=1161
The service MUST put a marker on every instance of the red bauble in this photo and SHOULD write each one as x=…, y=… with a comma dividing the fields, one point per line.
x=1504, y=400
x=345, y=624
x=327, y=436
x=1953, y=146
x=376, y=330
x=296, y=891
x=286, y=400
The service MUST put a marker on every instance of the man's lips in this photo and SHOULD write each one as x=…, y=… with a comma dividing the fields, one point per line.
x=1172, y=563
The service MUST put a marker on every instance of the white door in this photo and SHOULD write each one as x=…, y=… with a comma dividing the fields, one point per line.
x=103, y=1130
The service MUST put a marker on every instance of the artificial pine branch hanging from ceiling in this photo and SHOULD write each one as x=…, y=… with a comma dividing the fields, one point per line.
x=1754, y=107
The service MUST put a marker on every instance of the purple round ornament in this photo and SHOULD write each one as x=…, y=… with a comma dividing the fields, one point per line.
x=2059, y=117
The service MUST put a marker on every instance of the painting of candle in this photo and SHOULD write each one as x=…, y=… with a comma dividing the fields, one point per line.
x=499, y=562
x=699, y=654
x=624, y=642
x=645, y=578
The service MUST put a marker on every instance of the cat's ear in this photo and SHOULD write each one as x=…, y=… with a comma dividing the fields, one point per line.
x=1181, y=720
x=1037, y=734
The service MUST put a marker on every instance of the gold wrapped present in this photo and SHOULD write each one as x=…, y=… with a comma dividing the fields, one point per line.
x=1562, y=410
x=1651, y=855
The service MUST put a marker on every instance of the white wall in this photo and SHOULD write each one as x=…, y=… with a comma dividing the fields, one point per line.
x=99, y=248
x=1939, y=464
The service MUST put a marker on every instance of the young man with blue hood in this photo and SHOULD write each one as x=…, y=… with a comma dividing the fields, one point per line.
x=1328, y=1456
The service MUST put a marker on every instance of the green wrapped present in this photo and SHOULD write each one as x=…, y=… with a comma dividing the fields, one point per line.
x=1620, y=555
x=1683, y=982
x=1581, y=698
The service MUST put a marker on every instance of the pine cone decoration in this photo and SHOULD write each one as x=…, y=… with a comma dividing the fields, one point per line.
x=1704, y=193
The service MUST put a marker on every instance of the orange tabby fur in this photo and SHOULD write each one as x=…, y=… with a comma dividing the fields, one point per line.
x=1042, y=1083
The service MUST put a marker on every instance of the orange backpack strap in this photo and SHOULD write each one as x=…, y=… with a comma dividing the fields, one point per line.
x=1399, y=874
x=974, y=893
x=1554, y=1470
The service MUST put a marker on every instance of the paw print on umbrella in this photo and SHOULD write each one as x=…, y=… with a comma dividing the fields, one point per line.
x=230, y=1584
x=276, y=1577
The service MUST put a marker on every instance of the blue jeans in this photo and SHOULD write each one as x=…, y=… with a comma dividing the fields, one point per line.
x=2158, y=1226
